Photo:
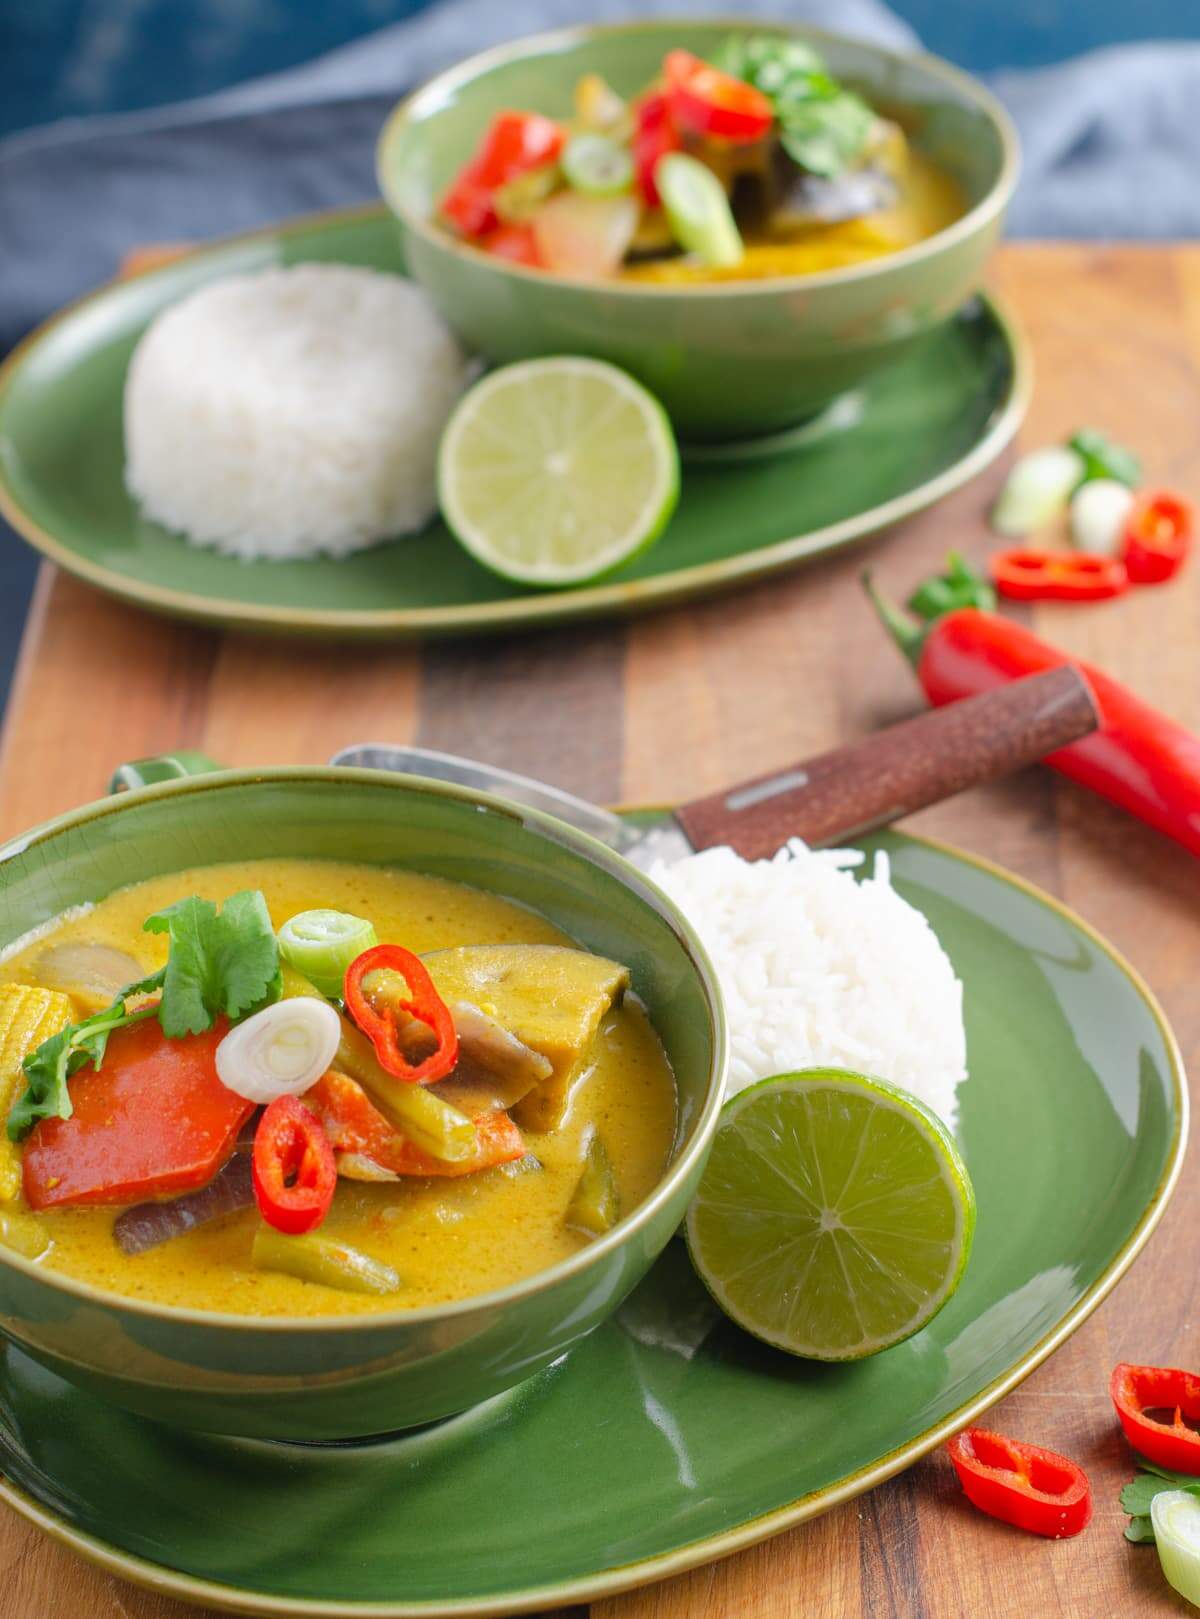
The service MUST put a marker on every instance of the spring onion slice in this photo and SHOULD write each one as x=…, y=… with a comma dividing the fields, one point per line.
x=1175, y=1515
x=698, y=210
x=1099, y=512
x=322, y=944
x=281, y=1051
x=597, y=165
x=1038, y=490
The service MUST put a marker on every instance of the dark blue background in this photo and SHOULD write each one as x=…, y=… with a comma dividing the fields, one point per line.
x=67, y=58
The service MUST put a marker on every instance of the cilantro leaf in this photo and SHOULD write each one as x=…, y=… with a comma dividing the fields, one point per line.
x=47, y=1069
x=1105, y=458
x=824, y=127
x=1137, y=1495
x=223, y=961
x=826, y=136
x=220, y=962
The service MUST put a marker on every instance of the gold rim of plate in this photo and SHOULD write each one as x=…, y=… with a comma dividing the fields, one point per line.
x=590, y=1588
x=519, y=611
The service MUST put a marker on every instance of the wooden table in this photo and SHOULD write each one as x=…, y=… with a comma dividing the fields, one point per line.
x=668, y=706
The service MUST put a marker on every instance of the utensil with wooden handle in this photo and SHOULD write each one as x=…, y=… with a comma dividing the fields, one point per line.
x=825, y=800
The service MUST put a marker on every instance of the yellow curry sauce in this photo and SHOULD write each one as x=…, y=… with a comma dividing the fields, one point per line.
x=447, y=1239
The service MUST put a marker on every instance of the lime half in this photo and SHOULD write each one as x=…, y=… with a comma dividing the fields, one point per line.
x=553, y=472
x=834, y=1217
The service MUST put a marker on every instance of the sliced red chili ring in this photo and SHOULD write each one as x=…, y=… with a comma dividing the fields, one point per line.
x=1158, y=537
x=653, y=138
x=1026, y=575
x=379, y=1022
x=1140, y=1393
x=1025, y=1485
x=707, y=101
x=292, y=1167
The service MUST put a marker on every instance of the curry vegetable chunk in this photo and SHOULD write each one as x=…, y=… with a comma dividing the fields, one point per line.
x=552, y=999
x=558, y=1070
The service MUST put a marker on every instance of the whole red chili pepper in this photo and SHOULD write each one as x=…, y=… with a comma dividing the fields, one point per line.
x=1139, y=758
x=1158, y=536
x=1069, y=576
x=1137, y=1391
x=1024, y=1485
x=378, y=1019
x=292, y=1167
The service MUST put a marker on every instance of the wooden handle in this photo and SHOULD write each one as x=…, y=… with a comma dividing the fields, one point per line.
x=887, y=775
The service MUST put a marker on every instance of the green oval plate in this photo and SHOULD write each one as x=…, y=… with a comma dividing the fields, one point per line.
x=670, y=1438
x=903, y=441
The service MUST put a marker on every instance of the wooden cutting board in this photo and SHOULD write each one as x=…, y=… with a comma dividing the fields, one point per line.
x=666, y=707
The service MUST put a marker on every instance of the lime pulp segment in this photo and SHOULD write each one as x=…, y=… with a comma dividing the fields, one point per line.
x=835, y=1215
x=553, y=472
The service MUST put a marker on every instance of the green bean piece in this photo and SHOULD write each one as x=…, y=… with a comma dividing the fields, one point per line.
x=23, y=1234
x=322, y=1260
x=595, y=1205
x=417, y=1112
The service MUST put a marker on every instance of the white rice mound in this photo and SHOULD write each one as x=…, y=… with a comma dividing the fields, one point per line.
x=819, y=970
x=292, y=412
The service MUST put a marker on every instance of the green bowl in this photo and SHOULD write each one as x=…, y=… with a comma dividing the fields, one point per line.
x=322, y=1379
x=729, y=360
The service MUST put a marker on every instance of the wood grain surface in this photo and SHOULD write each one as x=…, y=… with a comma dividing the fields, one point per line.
x=672, y=706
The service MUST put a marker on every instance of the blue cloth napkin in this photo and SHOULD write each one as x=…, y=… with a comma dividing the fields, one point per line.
x=1112, y=144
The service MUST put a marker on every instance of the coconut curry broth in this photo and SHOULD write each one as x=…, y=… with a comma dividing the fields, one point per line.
x=446, y=1239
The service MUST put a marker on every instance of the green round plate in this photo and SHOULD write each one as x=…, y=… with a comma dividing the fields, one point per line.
x=669, y=1438
x=903, y=441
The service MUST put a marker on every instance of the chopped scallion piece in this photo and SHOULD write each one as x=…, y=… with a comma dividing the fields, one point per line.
x=322, y=944
x=698, y=210
x=1175, y=1516
x=1038, y=490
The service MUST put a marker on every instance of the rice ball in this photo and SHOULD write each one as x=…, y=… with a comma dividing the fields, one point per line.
x=292, y=412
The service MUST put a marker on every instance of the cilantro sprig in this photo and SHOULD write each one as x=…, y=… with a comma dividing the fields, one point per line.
x=823, y=127
x=1138, y=1494
x=220, y=963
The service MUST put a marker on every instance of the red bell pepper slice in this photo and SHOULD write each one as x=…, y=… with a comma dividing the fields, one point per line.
x=516, y=243
x=354, y=1124
x=514, y=144
x=379, y=1023
x=292, y=1167
x=1024, y=1485
x=705, y=101
x=1073, y=576
x=152, y=1121
x=1158, y=537
x=1140, y=1393
x=654, y=136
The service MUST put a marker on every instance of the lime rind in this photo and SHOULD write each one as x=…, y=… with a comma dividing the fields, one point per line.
x=504, y=490
x=819, y=1240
